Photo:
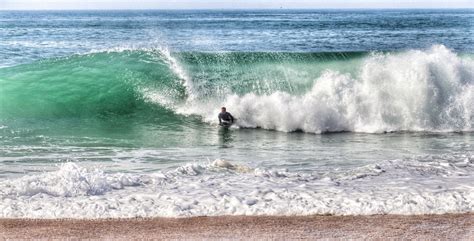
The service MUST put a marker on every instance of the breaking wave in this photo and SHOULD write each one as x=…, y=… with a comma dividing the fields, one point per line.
x=415, y=90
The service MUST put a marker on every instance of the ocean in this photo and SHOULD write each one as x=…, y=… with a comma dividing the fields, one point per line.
x=113, y=114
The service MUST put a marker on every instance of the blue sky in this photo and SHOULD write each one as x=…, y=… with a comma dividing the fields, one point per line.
x=229, y=4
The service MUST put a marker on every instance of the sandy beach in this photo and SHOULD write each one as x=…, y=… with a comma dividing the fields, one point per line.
x=450, y=226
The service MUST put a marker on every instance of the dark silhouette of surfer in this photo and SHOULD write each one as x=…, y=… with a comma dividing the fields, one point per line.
x=225, y=118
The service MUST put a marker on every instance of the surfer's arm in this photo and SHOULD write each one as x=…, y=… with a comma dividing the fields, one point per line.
x=231, y=117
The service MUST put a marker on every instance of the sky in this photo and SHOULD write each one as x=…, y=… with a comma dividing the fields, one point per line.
x=228, y=4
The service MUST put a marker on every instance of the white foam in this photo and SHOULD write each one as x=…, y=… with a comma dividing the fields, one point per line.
x=419, y=185
x=430, y=90
x=168, y=100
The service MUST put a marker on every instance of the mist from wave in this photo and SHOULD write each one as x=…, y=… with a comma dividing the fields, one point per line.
x=417, y=90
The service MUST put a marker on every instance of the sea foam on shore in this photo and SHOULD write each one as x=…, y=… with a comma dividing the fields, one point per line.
x=428, y=185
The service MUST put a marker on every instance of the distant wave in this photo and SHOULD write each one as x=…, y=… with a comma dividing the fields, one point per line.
x=415, y=90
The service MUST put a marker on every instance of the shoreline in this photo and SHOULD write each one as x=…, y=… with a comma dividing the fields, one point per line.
x=444, y=226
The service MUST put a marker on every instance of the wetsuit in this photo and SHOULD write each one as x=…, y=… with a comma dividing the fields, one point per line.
x=225, y=117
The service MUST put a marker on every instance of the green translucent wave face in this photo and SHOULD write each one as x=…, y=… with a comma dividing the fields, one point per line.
x=219, y=74
x=99, y=84
x=140, y=84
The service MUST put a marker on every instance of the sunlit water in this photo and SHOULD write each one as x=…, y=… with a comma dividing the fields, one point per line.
x=114, y=113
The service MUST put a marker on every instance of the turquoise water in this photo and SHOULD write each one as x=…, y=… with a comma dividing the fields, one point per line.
x=114, y=113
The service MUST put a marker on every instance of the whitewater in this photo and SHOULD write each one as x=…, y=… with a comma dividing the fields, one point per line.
x=117, y=125
x=412, y=91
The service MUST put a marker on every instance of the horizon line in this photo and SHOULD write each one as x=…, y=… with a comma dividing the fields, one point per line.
x=233, y=9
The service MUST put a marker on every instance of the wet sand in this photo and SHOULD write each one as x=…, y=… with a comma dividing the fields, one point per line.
x=449, y=226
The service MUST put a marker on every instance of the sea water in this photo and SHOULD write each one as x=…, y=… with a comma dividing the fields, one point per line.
x=344, y=112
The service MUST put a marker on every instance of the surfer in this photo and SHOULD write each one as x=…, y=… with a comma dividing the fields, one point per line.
x=225, y=118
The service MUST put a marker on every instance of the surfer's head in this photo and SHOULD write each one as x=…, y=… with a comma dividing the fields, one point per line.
x=223, y=109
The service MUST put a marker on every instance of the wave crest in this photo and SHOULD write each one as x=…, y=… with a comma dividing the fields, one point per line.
x=416, y=90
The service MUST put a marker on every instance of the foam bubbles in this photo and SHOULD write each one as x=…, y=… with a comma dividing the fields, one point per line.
x=419, y=185
x=70, y=180
x=430, y=90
